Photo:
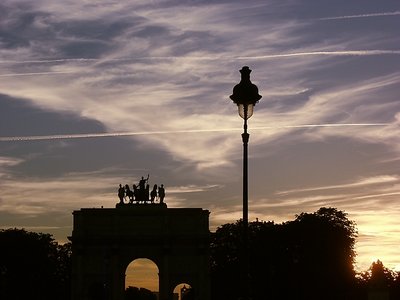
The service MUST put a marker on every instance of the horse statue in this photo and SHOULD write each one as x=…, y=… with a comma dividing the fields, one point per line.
x=128, y=193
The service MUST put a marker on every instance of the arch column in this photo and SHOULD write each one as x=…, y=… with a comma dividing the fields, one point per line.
x=117, y=286
x=164, y=285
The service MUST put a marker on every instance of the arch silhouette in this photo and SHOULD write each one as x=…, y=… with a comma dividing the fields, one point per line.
x=106, y=240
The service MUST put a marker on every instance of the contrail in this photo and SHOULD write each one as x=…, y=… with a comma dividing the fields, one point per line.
x=98, y=135
x=121, y=134
x=35, y=73
x=384, y=14
x=267, y=56
x=327, y=53
x=48, y=60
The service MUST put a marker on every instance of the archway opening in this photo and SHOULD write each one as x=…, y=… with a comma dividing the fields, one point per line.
x=184, y=291
x=141, y=277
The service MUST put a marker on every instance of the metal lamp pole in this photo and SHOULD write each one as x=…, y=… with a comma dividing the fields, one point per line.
x=245, y=96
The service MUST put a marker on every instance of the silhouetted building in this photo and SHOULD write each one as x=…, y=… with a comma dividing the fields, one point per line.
x=106, y=240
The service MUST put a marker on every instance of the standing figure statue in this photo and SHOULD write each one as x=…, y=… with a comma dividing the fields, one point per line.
x=153, y=193
x=142, y=190
x=161, y=193
x=142, y=182
x=121, y=194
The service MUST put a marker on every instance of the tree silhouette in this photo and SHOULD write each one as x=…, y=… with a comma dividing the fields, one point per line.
x=325, y=254
x=64, y=269
x=134, y=293
x=395, y=290
x=379, y=282
x=378, y=276
x=309, y=258
x=31, y=267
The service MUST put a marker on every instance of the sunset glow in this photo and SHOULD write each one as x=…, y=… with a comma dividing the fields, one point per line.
x=142, y=273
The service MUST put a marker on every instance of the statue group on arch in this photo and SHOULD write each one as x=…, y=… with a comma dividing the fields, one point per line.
x=141, y=193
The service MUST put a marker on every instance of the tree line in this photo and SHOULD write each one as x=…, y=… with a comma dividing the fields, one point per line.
x=33, y=266
x=311, y=257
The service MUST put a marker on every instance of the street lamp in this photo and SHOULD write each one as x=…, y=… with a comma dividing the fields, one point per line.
x=245, y=96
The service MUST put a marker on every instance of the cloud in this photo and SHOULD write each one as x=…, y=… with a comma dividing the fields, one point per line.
x=6, y=163
x=52, y=195
x=9, y=161
x=361, y=182
x=142, y=92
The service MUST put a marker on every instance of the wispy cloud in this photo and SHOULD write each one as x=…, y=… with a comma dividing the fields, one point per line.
x=361, y=182
x=9, y=161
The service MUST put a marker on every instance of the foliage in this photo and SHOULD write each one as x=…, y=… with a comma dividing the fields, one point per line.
x=380, y=281
x=134, y=293
x=35, y=262
x=378, y=276
x=64, y=269
x=303, y=258
x=325, y=247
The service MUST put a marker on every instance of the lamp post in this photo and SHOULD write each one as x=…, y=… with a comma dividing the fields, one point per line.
x=245, y=96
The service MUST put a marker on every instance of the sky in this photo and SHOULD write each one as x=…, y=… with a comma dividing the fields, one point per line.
x=98, y=93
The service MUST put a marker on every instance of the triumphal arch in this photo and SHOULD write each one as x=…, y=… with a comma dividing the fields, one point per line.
x=106, y=240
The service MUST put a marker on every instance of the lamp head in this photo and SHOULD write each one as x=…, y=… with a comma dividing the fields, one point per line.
x=245, y=94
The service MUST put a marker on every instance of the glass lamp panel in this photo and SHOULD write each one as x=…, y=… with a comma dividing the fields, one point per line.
x=245, y=110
